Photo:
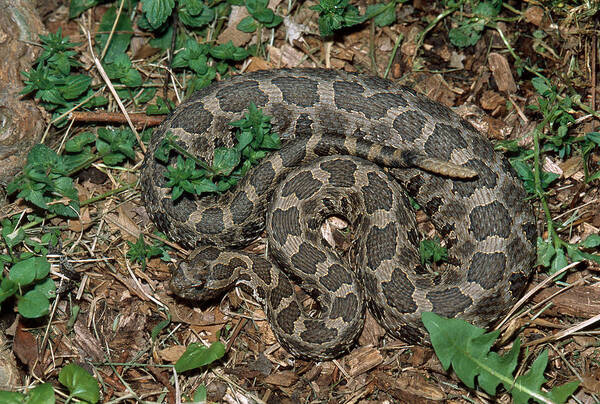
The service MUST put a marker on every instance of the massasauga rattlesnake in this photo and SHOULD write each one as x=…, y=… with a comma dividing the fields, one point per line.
x=486, y=223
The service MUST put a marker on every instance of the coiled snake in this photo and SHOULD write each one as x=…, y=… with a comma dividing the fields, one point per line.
x=363, y=123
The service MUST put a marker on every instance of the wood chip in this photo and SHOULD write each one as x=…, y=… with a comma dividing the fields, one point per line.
x=502, y=74
x=362, y=360
x=409, y=387
x=284, y=378
x=579, y=301
x=490, y=100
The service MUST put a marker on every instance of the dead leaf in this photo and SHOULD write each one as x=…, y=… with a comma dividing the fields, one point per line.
x=82, y=223
x=172, y=353
x=534, y=15
x=25, y=346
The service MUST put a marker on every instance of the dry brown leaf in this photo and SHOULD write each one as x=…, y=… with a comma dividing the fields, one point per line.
x=82, y=223
x=534, y=15
x=172, y=353
x=25, y=346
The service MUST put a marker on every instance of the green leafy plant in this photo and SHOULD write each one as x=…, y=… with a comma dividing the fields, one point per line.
x=206, y=61
x=191, y=175
x=27, y=278
x=260, y=15
x=113, y=146
x=557, y=111
x=552, y=135
x=197, y=355
x=141, y=252
x=431, y=251
x=335, y=15
x=51, y=80
x=45, y=180
x=80, y=383
x=467, y=349
x=469, y=30
x=40, y=394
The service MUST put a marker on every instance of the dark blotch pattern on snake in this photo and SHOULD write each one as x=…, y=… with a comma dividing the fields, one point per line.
x=338, y=131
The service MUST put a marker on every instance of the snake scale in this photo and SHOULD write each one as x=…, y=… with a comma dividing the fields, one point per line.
x=339, y=130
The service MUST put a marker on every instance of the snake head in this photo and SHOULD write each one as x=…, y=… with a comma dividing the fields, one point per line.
x=207, y=274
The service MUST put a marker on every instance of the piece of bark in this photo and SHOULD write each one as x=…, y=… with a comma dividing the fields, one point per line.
x=409, y=388
x=501, y=72
x=284, y=378
x=579, y=301
x=22, y=125
x=362, y=360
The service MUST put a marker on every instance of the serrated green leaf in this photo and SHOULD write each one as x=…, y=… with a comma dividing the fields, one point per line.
x=204, y=185
x=545, y=252
x=592, y=241
x=247, y=25
x=194, y=13
x=467, y=34
x=33, y=304
x=533, y=379
x=560, y=394
x=113, y=159
x=157, y=11
x=132, y=78
x=12, y=236
x=80, y=383
x=466, y=348
x=146, y=95
x=503, y=364
x=197, y=355
x=76, y=85
x=120, y=39
x=225, y=160
x=229, y=51
x=488, y=9
x=76, y=7
x=77, y=143
x=52, y=96
x=541, y=85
